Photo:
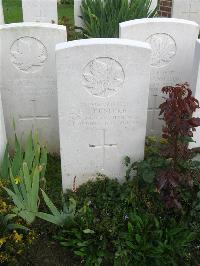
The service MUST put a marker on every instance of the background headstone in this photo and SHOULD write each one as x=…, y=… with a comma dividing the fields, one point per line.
x=77, y=11
x=196, y=91
x=29, y=90
x=1, y=13
x=3, y=139
x=103, y=87
x=173, y=44
x=186, y=9
x=40, y=11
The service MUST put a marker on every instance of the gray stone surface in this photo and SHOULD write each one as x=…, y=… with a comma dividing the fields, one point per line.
x=186, y=9
x=40, y=11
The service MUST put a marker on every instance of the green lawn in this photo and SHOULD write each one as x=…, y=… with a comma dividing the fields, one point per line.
x=13, y=11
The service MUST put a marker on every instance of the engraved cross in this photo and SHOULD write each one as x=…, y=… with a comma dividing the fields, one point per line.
x=104, y=146
x=41, y=18
x=34, y=117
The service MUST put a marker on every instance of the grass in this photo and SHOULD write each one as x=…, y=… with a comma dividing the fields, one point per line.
x=13, y=11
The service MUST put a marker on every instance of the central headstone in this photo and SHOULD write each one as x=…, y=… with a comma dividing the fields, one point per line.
x=28, y=79
x=40, y=11
x=102, y=97
x=173, y=44
x=187, y=9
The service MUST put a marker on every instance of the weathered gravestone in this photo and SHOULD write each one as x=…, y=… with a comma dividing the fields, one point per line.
x=77, y=11
x=173, y=44
x=40, y=11
x=2, y=133
x=196, y=91
x=1, y=13
x=186, y=9
x=102, y=97
x=29, y=90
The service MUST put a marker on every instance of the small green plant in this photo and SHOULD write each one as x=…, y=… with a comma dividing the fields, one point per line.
x=14, y=236
x=25, y=171
x=34, y=155
x=101, y=18
x=25, y=193
x=59, y=218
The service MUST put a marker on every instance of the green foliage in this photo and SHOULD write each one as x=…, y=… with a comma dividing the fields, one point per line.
x=14, y=236
x=125, y=224
x=25, y=193
x=25, y=171
x=59, y=218
x=147, y=242
x=34, y=155
x=101, y=18
x=7, y=225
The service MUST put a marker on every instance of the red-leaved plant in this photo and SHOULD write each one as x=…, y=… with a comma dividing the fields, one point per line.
x=177, y=112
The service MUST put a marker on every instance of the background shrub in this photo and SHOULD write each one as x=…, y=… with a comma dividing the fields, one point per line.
x=101, y=18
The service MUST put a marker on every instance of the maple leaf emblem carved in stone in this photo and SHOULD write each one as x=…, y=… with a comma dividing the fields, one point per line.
x=103, y=77
x=28, y=54
x=163, y=49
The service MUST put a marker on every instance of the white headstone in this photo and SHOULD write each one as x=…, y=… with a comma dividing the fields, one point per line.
x=173, y=44
x=1, y=13
x=3, y=139
x=196, y=91
x=103, y=87
x=40, y=11
x=186, y=9
x=77, y=11
x=29, y=90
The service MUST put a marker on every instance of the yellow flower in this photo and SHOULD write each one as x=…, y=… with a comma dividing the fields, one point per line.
x=2, y=241
x=1, y=184
x=17, y=180
x=152, y=139
x=3, y=257
x=31, y=237
x=3, y=206
x=163, y=141
x=17, y=237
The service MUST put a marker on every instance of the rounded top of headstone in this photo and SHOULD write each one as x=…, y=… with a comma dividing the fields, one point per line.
x=32, y=25
x=158, y=20
x=102, y=41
